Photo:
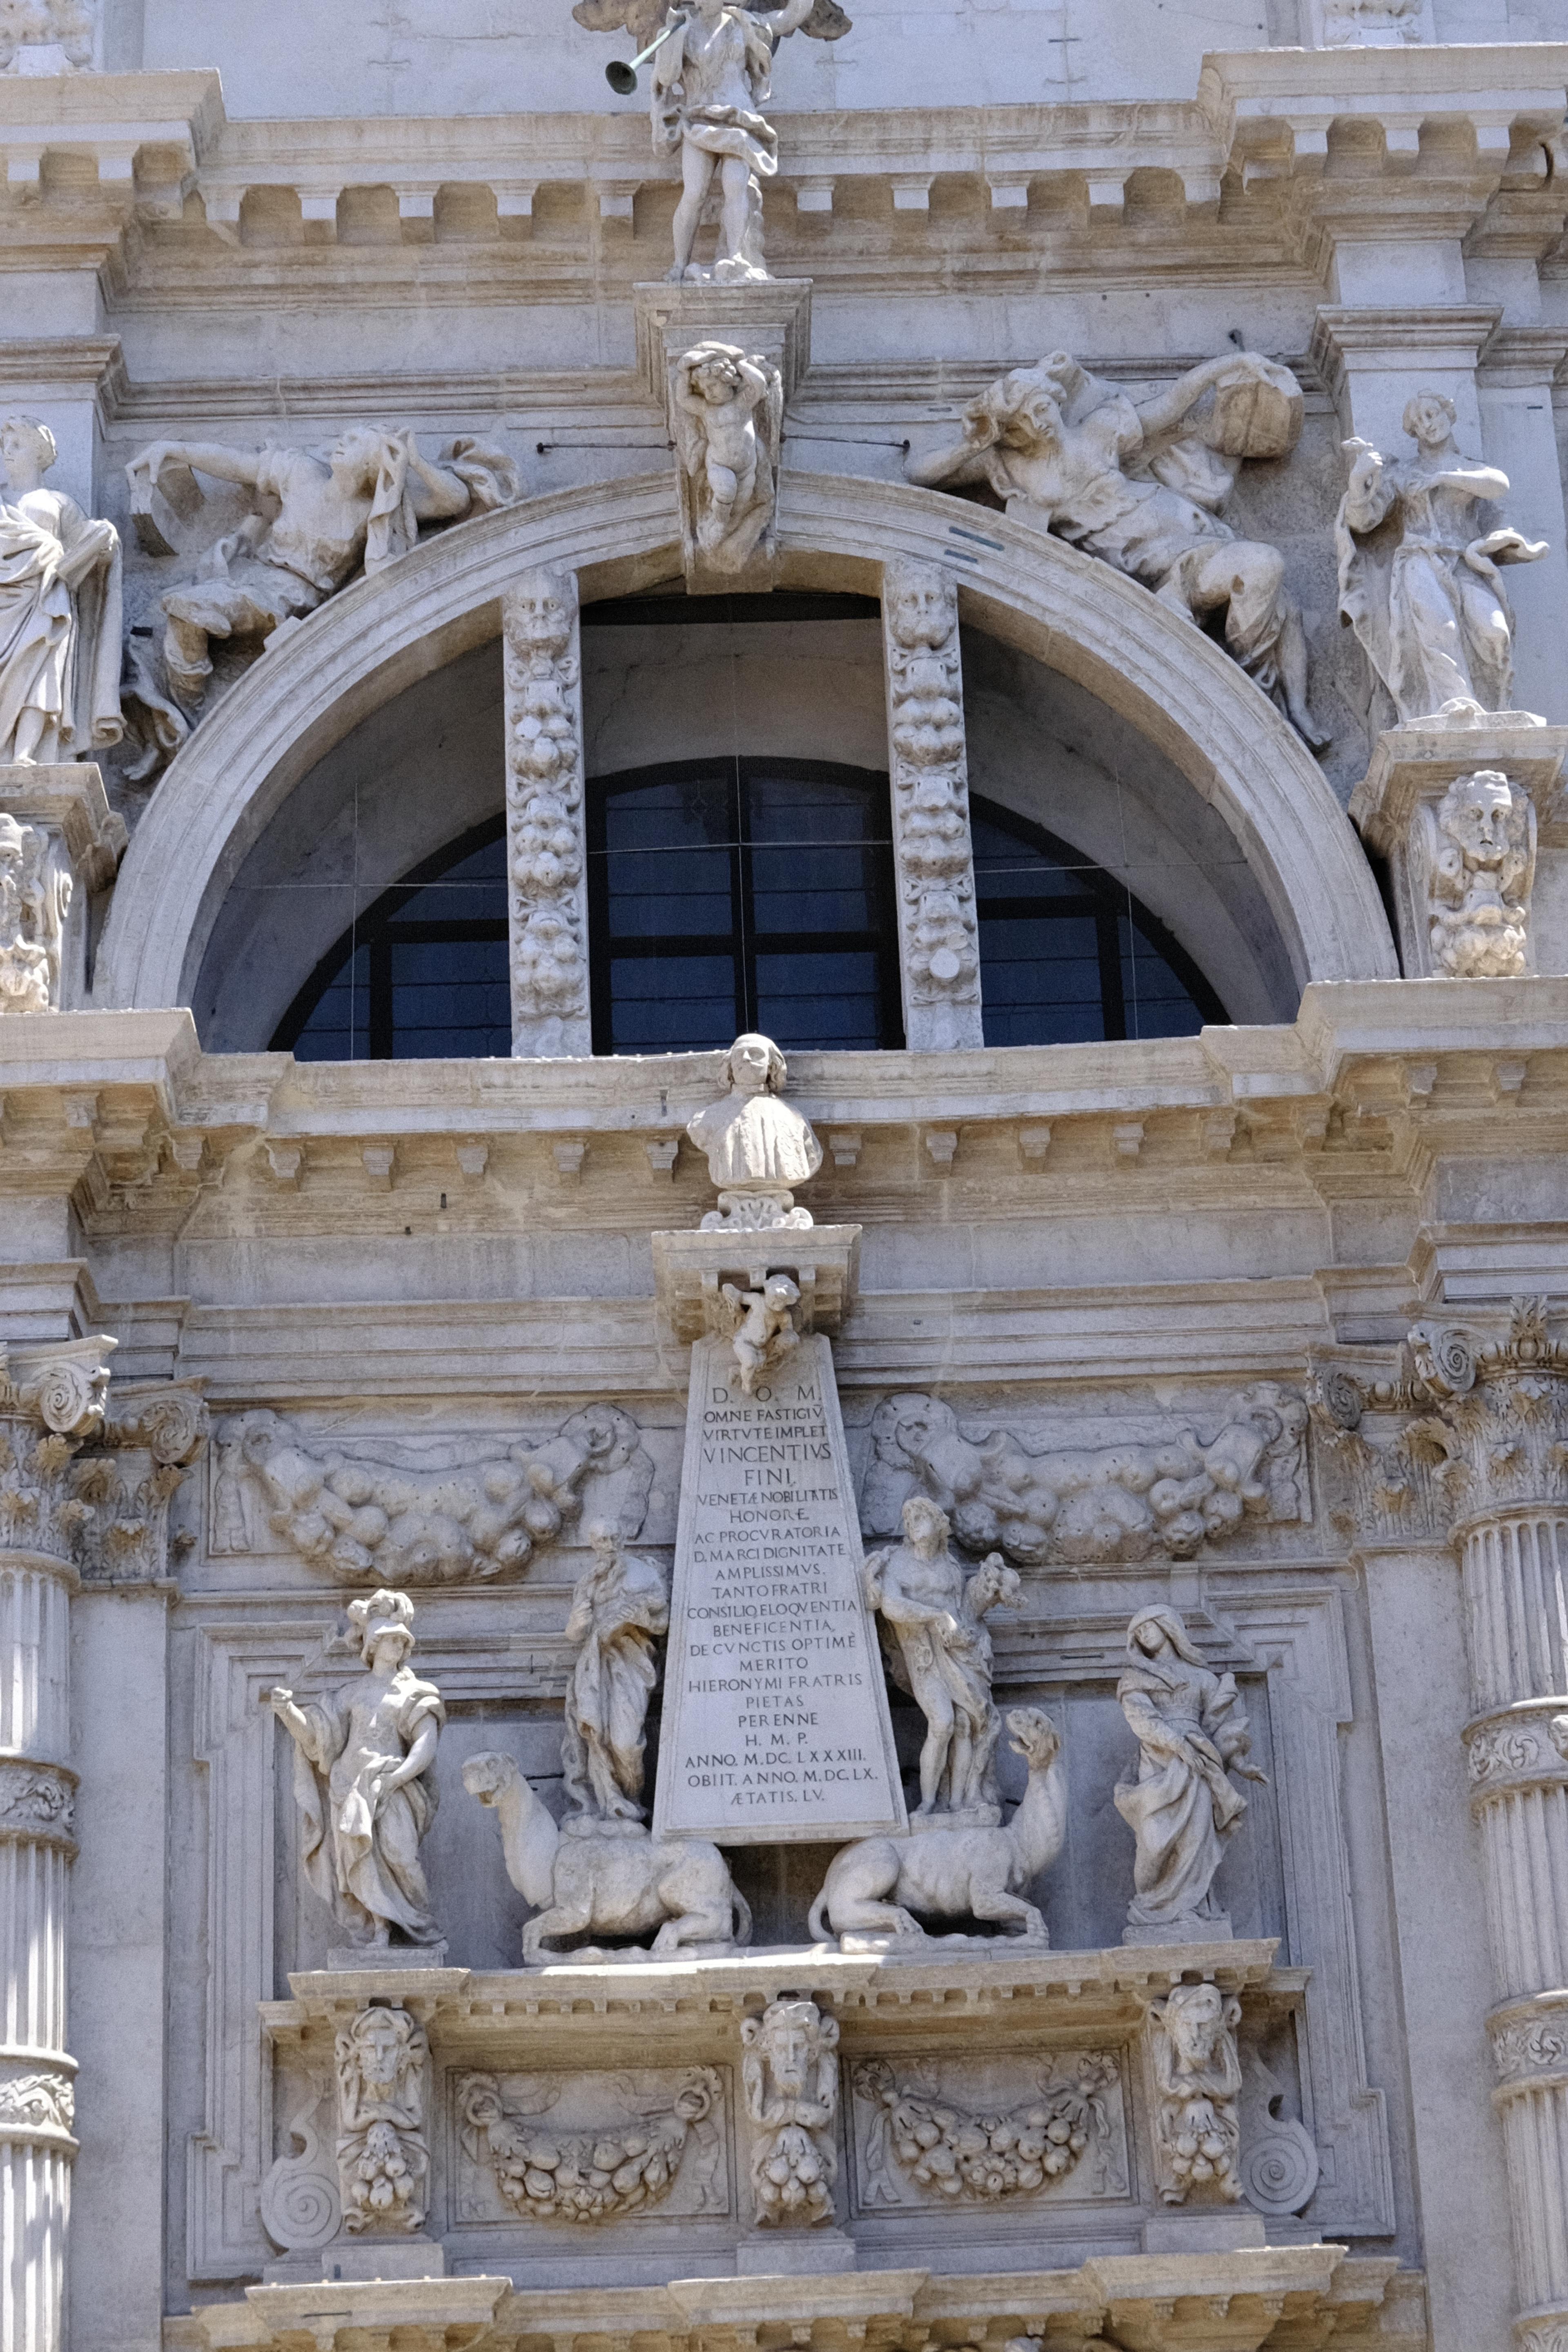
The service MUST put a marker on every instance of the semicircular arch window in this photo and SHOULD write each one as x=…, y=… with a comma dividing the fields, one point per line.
x=747, y=893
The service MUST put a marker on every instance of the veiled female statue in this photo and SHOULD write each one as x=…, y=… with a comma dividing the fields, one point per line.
x=619, y=1608
x=1419, y=582
x=59, y=613
x=1181, y=1807
x=361, y=1757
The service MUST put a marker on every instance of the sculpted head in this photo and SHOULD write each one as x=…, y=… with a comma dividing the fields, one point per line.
x=713, y=371
x=539, y=612
x=756, y=1066
x=487, y=1774
x=925, y=1526
x=780, y=1293
x=1157, y=1631
x=13, y=842
x=1480, y=814
x=356, y=456
x=28, y=450
x=385, y=1625
x=789, y=2034
x=603, y=1540
x=921, y=607
x=378, y=2040
x=1429, y=419
x=1198, y=2018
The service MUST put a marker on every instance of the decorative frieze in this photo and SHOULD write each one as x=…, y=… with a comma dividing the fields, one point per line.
x=917, y=2135
x=547, y=902
x=933, y=858
x=1129, y=1501
x=361, y=1519
x=655, y=2131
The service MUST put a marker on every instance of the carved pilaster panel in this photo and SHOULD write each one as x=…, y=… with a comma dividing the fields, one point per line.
x=546, y=847
x=37, y=1803
x=939, y=939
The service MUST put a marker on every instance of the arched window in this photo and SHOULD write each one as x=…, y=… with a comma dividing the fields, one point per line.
x=738, y=894
x=1066, y=952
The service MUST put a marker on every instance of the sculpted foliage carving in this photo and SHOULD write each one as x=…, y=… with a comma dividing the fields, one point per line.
x=1530, y=2045
x=361, y=1519
x=546, y=847
x=951, y=2151
x=1112, y=1503
x=931, y=795
x=37, y=1801
x=383, y=2157
x=600, y=2175
x=43, y=2102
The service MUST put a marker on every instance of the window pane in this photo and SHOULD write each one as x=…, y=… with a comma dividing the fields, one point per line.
x=814, y=808
x=449, y=996
x=827, y=1000
x=685, y=811
x=338, y=1029
x=659, y=894
x=670, y=1003
x=819, y=890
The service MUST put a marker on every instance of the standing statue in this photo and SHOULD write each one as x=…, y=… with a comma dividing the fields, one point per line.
x=711, y=75
x=1140, y=484
x=1191, y=1732
x=728, y=412
x=361, y=501
x=938, y=1618
x=756, y=1146
x=789, y=2072
x=1418, y=583
x=59, y=613
x=359, y=1766
x=618, y=1607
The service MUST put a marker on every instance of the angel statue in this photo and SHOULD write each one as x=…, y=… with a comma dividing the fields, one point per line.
x=361, y=1781
x=1140, y=484
x=1419, y=582
x=711, y=74
x=59, y=613
x=319, y=515
x=728, y=412
x=761, y=1324
x=1192, y=1733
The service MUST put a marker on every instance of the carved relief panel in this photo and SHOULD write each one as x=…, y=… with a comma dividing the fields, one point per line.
x=1004, y=2131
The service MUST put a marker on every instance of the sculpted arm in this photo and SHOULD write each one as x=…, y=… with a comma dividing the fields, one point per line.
x=963, y=464
x=1149, y=1727
x=1369, y=495
x=206, y=457
x=1166, y=410
x=420, y=1757
x=439, y=496
x=787, y=19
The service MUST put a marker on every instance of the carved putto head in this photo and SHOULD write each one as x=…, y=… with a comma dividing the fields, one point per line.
x=385, y=1623
x=29, y=449
x=1429, y=418
x=713, y=371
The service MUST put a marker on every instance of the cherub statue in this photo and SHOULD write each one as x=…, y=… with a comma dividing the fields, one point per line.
x=1192, y=1733
x=755, y=1145
x=619, y=1607
x=59, y=613
x=35, y=898
x=710, y=78
x=1419, y=582
x=361, y=1781
x=937, y=1616
x=763, y=1324
x=729, y=411
x=789, y=2072
x=1140, y=485
x=360, y=502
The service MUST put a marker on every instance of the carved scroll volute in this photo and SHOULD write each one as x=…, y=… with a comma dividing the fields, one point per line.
x=547, y=903
x=933, y=857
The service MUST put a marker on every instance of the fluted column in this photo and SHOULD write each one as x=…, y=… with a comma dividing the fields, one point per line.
x=47, y=1406
x=1502, y=1420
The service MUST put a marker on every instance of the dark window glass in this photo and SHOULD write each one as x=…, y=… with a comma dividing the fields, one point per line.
x=422, y=973
x=741, y=894
x=1067, y=956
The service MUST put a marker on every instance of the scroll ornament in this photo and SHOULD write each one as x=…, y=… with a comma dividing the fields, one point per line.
x=1092, y=1504
x=956, y=2153
x=364, y=1520
x=299, y=2200
x=588, y=2177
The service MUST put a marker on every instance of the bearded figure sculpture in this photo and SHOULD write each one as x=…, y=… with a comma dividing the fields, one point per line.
x=1196, y=2076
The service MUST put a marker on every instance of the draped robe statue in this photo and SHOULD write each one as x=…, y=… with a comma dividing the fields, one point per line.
x=59, y=613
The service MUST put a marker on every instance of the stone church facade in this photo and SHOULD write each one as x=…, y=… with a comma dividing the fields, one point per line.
x=784, y=1045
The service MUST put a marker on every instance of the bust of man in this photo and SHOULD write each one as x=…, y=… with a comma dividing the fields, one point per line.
x=756, y=1146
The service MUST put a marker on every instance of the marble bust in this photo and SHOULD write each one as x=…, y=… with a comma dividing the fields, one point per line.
x=756, y=1146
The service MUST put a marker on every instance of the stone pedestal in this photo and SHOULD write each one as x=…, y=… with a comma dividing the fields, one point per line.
x=59, y=842
x=1462, y=877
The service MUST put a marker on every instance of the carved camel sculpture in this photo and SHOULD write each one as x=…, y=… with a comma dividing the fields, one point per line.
x=874, y=1886
x=613, y=1885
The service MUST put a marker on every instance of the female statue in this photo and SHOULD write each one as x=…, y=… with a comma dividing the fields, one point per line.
x=1417, y=584
x=359, y=1766
x=938, y=1618
x=709, y=78
x=1182, y=1807
x=619, y=1607
x=59, y=613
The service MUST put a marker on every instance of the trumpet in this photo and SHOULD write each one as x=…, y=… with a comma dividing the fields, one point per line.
x=623, y=77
